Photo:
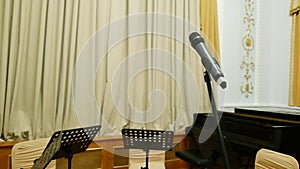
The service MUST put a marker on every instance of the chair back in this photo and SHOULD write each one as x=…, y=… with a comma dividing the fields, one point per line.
x=267, y=159
x=24, y=153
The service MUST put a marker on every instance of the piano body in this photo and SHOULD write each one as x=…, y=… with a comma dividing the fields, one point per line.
x=246, y=131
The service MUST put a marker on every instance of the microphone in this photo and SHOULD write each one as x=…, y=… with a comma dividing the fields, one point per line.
x=209, y=62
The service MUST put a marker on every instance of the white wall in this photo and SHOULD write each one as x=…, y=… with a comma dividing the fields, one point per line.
x=272, y=51
x=273, y=59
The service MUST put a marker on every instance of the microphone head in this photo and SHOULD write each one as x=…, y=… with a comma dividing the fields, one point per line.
x=195, y=39
x=223, y=85
x=222, y=82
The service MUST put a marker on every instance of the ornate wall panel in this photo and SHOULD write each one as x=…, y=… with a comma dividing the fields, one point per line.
x=247, y=65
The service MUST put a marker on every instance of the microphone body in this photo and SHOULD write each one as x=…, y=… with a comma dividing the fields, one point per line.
x=209, y=62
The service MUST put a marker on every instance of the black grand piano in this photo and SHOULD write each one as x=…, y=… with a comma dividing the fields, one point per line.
x=247, y=130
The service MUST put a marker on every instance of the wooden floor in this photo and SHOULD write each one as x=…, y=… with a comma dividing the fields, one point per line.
x=178, y=164
x=105, y=157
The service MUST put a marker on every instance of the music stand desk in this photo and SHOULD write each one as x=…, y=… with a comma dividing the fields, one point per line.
x=147, y=140
x=65, y=143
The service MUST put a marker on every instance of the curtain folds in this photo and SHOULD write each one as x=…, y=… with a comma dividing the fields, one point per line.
x=42, y=43
x=38, y=55
x=294, y=95
x=209, y=25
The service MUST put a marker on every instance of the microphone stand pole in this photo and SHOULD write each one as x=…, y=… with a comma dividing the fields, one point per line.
x=215, y=114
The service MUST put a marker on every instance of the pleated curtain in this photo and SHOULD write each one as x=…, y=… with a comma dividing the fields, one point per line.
x=41, y=43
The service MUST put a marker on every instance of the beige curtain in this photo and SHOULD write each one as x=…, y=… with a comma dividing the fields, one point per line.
x=41, y=43
x=136, y=102
x=209, y=24
x=294, y=96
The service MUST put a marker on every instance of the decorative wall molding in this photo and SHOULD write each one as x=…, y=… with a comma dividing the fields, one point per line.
x=268, y=78
x=247, y=65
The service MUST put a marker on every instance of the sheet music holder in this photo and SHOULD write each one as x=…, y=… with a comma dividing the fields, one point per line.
x=147, y=140
x=65, y=144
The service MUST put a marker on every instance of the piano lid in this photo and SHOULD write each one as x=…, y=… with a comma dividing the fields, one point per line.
x=273, y=109
x=283, y=114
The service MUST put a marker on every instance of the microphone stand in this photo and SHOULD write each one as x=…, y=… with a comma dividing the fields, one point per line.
x=215, y=114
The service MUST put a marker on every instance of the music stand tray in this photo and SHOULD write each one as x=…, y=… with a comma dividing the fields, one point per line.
x=147, y=140
x=65, y=143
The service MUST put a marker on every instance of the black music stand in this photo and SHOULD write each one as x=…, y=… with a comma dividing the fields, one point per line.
x=65, y=144
x=147, y=140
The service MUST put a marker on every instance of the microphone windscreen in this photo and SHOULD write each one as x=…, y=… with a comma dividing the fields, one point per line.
x=195, y=39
